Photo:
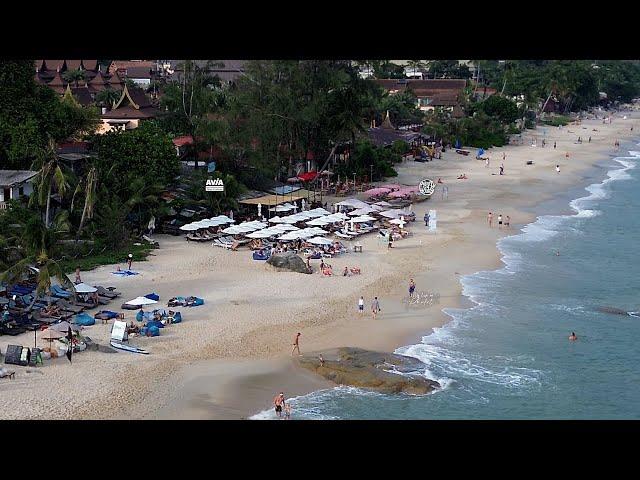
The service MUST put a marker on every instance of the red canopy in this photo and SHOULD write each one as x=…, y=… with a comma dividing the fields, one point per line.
x=308, y=176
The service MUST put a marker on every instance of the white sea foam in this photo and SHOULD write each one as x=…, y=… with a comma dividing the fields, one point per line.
x=441, y=350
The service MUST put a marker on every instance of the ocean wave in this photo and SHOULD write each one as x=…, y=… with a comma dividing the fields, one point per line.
x=444, y=352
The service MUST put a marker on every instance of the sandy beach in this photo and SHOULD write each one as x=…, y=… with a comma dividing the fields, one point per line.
x=228, y=358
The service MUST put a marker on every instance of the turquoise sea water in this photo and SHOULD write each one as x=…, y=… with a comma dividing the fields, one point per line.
x=508, y=357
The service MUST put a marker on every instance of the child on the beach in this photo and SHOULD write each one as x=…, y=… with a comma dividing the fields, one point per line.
x=287, y=411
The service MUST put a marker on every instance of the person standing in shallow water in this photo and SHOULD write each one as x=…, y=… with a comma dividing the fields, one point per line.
x=490, y=219
x=278, y=403
x=412, y=288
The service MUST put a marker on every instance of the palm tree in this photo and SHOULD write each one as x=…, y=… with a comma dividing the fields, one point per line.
x=74, y=76
x=89, y=184
x=108, y=97
x=39, y=242
x=50, y=174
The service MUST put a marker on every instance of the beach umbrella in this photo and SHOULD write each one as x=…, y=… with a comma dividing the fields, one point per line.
x=320, y=241
x=382, y=203
x=141, y=301
x=289, y=236
x=189, y=227
x=276, y=219
x=233, y=230
x=363, y=218
x=62, y=327
x=318, y=222
x=260, y=234
x=84, y=288
x=397, y=221
x=286, y=227
x=376, y=191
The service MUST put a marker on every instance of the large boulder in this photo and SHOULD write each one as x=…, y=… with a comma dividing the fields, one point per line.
x=382, y=372
x=289, y=261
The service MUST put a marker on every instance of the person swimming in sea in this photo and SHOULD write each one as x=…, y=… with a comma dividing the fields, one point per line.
x=573, y=336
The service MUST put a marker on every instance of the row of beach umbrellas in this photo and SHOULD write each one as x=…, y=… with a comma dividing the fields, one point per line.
x=206, y=223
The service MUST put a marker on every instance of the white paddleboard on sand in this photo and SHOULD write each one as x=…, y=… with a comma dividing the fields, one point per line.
x=128, y=348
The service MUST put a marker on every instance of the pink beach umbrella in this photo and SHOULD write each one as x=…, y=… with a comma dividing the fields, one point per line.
x=376, y=191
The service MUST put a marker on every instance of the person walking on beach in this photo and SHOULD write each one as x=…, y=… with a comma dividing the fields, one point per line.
x=445, y=192
x=486, y=162
x=130, y=260
x=426, y=219
x=412, y=288
x=390, y=240
x=500, y=221
x=554, y=145
x=490, y=219
x=296, y=344
x=78, y=279
x=566, y=155
x=361, y=305
x=589, y=139
x=504, y=156
x=279, y=402
x=375, y=307
x=151, y=226
x=558, y=168
x=507, y=223
x=502, y=169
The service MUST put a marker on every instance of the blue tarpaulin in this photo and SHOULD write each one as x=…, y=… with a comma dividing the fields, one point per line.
x=481, y=152
x=458, y=144
x=211, y=167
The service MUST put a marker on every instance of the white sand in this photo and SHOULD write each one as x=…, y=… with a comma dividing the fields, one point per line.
x=252, y=312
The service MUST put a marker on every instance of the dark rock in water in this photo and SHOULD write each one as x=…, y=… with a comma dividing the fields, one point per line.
x=371, y=370
x=613, y=310
x=289, y=261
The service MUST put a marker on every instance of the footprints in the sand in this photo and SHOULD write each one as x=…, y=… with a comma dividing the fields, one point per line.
x=239, y=302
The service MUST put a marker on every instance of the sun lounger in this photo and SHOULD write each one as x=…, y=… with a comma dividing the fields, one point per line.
x=60, y=292
x=103, y=292
x=65, y=305
x=341, y=235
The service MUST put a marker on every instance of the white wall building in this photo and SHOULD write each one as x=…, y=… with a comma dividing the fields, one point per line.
x=15, y=184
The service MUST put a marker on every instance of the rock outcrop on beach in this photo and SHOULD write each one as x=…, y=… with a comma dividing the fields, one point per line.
x=289, y=261
x=371, y=370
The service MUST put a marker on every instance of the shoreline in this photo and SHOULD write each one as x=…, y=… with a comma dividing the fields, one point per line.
x=411, y=335
x=230, y=357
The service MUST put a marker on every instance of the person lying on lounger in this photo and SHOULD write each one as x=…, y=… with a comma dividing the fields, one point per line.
x=462, y=176
x=355, y=270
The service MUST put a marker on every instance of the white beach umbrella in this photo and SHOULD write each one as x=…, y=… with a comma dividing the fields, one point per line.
x=289, y=236
x=321, y=210
x=84, y=288
x=318, y=231
x=189, y=227
x=276, y=219
x=363, y=218
x=233, y=230
x=391, y=213
x=382, y=203
x=141, y=301
x=320, y=241
x=397, y=221
x=285, y=227
x=318, y=222
x=260, y=234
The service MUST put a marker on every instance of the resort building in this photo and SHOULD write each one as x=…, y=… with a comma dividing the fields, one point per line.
x=15, y=184
x=228, y=71
x=127, y=113
x=444, y=93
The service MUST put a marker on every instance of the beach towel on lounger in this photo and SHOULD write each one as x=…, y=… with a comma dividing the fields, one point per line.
x=152, y=296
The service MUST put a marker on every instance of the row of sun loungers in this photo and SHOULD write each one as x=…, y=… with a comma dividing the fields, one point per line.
x=25, y=312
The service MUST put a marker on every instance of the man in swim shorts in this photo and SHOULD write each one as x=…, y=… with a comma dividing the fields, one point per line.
x=279, y=402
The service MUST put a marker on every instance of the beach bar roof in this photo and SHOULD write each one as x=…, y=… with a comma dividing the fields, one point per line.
x=273, y=200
